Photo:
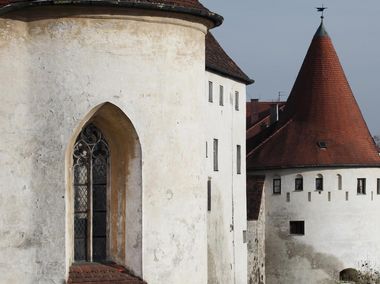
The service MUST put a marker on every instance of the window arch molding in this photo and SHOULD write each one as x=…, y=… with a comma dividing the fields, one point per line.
x=340, y=181
x=319, y=182
x=124, y=243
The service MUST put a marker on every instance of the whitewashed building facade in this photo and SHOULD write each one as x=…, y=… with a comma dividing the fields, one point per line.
x=319, y=170
x=107, y=143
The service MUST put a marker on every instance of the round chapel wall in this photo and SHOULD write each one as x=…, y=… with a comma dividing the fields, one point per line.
x=56, y=69
x=311, y=234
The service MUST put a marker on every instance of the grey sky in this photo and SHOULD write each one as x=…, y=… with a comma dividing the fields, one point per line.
x=269, y=40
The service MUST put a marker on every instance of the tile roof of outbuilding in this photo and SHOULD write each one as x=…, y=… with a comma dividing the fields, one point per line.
x=193, y=7
x=92, y=273
x=217, y=60
x=320, y=108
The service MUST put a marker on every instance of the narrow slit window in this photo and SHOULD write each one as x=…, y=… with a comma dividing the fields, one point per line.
x=209, y=195
x=339, y=182
x=216, y=166
x=236, y=100
x=210, y=94
x=238, y=159
x=277, y=186
x=206, y=149
x=361, y=186
x=378, y=186
x=221, y=95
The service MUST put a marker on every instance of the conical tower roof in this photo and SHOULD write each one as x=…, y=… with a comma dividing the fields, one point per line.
x=322, y=125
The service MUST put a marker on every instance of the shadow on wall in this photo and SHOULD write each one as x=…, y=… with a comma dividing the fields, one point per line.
x=291, y=261
x=124, y=188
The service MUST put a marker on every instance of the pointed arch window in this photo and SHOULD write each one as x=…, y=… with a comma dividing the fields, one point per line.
x=91, y=159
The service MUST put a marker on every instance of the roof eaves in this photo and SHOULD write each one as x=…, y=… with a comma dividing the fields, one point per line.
x=282, y=167
x=215, y=18
x=219, y=71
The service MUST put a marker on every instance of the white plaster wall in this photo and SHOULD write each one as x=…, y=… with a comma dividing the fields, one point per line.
x=54, y=71
x=256, y=247
x=339, y=234
x=227, y=254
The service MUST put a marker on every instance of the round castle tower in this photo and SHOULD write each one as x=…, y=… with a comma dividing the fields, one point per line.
x=322, y=178
x=101, y=102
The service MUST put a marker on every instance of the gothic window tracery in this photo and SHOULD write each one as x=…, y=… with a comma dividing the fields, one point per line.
x=91, y=158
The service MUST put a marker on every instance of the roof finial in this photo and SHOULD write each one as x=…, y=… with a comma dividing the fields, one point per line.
x=321, y=9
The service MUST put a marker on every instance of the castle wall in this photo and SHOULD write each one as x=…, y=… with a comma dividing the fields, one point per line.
x=54, y=72
x=256, y=247
x=227, y=251
x=339, y=233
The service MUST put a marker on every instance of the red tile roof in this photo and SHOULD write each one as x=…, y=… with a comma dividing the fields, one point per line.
x=192, y=7
x=218, y=61
x=259, y=119
x=95, y=273
x=320, y=108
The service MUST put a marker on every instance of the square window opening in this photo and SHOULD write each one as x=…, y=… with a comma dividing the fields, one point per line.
x=297, y=227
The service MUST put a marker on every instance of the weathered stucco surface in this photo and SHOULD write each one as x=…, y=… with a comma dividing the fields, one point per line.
x=227, y=253
x=54, y=72
x=339, y=233
x=256, y=247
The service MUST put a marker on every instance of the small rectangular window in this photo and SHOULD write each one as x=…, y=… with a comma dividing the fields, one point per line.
x=236, y=100
x=319, y=184
x=288, y=197
x=209, y=195
x=216, y=168
x=238, y=159
x=277, y=186
x=297, y=227
x=298, y=184
x=378, y=186
x=346, y=195
x=309, y=196
x=329, y=196
x=210, y=94
x=221, y=95
x=361, y=186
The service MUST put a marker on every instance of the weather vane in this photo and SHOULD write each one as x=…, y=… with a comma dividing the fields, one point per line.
x=321, y=9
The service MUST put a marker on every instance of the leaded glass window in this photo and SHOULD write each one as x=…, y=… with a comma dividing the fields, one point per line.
x=91, y=158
